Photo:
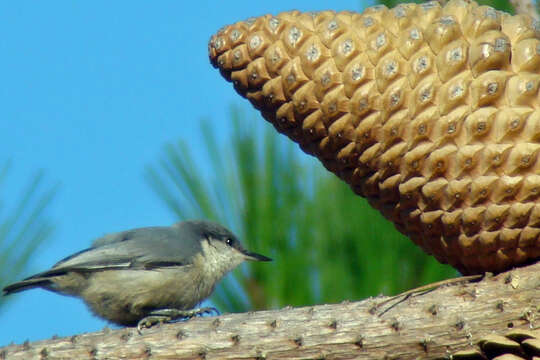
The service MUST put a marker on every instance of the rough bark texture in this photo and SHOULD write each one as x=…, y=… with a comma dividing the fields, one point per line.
x=430, y=325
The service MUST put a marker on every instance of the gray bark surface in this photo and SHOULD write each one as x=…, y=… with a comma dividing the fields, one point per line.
x=426, y=325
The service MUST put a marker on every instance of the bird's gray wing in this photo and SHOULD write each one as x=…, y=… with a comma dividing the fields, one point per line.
x=143, y=248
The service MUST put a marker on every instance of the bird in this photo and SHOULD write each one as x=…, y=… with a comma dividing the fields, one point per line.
x=147, y=275
x=430, y=112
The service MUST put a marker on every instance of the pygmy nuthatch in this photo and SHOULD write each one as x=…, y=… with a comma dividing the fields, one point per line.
x=147, y=275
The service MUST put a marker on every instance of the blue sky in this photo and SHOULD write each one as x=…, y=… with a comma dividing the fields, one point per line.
x=91, y=91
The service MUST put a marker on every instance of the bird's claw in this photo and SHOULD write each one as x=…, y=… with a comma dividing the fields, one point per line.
x=149, y=321
x=168, y=315
x=208, y=310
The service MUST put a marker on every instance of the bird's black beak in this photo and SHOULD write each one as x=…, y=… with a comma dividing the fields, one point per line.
x=255, y=257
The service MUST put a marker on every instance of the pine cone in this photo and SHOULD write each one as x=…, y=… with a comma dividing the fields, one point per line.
x=431, y=113
x=516, y=345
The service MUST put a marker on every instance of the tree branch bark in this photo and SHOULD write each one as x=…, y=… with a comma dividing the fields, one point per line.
x=433, y=324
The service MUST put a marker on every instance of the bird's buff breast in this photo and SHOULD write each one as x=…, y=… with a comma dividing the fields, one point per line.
x=126, y=296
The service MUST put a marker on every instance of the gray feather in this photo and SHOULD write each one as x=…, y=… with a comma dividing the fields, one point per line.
x=139, y=248
x=143, y=248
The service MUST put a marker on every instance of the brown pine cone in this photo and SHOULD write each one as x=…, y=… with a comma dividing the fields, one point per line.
x=515, y=345
x=431, y=113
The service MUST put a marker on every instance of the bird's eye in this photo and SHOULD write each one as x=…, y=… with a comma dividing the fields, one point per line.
x=229, y=241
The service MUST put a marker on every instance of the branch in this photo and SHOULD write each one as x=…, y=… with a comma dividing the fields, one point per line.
x=432, y=324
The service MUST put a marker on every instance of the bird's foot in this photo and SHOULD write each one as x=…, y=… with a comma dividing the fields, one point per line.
x=169, y=315
x=149, y=321
x=174, y=314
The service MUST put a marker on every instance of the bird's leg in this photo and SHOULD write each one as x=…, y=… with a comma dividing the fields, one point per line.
x=173, y=314
x=168, y=315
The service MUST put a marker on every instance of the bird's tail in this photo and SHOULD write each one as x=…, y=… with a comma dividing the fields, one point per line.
x=26, y=284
